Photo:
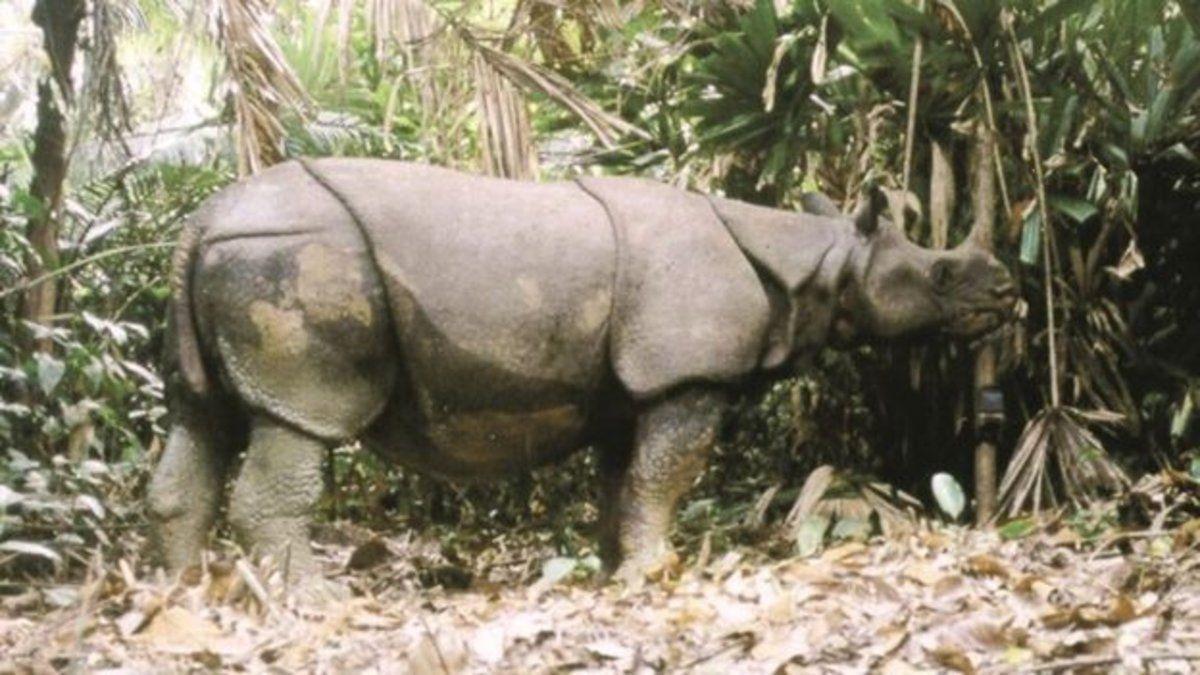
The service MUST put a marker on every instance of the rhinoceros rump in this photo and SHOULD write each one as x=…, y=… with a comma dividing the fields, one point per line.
x=472, y=327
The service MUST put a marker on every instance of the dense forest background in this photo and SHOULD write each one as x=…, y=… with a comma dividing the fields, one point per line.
x=1070, y=127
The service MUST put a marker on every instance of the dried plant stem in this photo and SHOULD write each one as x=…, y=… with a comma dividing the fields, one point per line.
x=913, y=85
x=528, y=76
x=1040, y=186
x=989, y=112
x=260, y=80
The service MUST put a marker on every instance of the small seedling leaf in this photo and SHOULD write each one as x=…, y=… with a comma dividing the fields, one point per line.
x=949, y=495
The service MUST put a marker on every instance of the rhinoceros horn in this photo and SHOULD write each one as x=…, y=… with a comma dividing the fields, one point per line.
x=866, y=218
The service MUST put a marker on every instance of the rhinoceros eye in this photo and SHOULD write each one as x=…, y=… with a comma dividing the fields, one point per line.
x=941, y=275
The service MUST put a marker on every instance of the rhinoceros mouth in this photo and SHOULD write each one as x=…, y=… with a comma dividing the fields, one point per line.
x=980, y=321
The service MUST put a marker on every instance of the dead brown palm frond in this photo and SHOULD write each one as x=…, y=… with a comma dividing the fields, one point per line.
x=414, y=31
x=1060, y=461
x=607, y=127
x=833, y=497
x=425, y=36
x=505, y=138
x=261, y=83
x=403, y=24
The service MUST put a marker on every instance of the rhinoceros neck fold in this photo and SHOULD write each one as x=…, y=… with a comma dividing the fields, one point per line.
x=805, y=258
x=688, y=304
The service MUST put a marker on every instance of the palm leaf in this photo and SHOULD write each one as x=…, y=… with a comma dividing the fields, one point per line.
x=1057, y=443
x=261, y=84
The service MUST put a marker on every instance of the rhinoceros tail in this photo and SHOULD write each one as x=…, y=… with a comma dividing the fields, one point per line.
x=185, y=361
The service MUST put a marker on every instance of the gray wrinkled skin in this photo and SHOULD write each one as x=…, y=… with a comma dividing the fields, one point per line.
x=473, y=327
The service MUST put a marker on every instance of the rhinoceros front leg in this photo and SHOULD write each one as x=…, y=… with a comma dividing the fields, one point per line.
x=672, y=443
x=275, y=495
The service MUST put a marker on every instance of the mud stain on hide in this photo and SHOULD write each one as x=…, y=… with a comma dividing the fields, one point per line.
x=519, y=439
x=594, y=312
x=281, y=331
x=531, y=293
x=328, y=285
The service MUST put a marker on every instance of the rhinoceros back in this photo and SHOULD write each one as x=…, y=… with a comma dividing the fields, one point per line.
x=501, y=294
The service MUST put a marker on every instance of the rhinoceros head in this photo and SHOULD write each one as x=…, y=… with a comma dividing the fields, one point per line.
x=897, y=288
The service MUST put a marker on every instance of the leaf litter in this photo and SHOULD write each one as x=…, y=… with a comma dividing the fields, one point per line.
x=941, y=598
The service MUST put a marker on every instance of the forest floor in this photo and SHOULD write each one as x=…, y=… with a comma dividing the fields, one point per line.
x=946, y=598
x=1065, y=593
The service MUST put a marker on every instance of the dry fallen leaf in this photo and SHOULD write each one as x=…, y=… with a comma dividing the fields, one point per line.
x=844, y=553
x=1120, y=611
x=954, y=659
x=896, y=606
x=986, y=566
x=901, y=667
x=1034, y=586
x=371, y=554
x=180, y=631
x=437, y=656
x=923, y=573
x=488, y=644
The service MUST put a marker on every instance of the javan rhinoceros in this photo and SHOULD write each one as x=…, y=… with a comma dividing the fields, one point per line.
x=473, y=327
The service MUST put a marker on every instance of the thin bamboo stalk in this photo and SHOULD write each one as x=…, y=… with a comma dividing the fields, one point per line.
x=914, y=83
x=1040, y=187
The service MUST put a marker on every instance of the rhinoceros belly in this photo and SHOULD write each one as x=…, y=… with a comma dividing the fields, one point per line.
x=501, y=295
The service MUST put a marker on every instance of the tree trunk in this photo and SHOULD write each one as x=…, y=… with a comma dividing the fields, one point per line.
x=941, y=194
x=983, y=177
x=59, y=21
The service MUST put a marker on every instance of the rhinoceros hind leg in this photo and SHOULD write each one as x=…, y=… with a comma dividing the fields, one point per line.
x=674, y=437
x=614, y=453
x=186, y=488
x=276, y=493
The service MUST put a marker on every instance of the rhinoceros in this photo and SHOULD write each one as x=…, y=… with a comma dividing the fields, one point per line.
x=472, y=327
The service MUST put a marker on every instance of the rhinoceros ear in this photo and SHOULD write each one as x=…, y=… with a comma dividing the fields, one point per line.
x=819, y=204
x=866, y=220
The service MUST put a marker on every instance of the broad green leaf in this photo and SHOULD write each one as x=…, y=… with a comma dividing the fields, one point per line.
x=1031, y=239
x=1114, y=74
x=1191, y=10
x=858, y=529
x=1052, y=16
x=760, y=28
x=49, y=372
x=697, y=510
x=1156, y=118
x=949, y=495
x=555, y=570
x=810, y=534
x=61, y=596
x=1179, y=422
x=1115, y=156
x=30, y=548
x=8, y=497
x=1016, y=529
x=912, y=18
x=1078, y=210
x=1059, y=124
x=1194, y=468
x=90, y=504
